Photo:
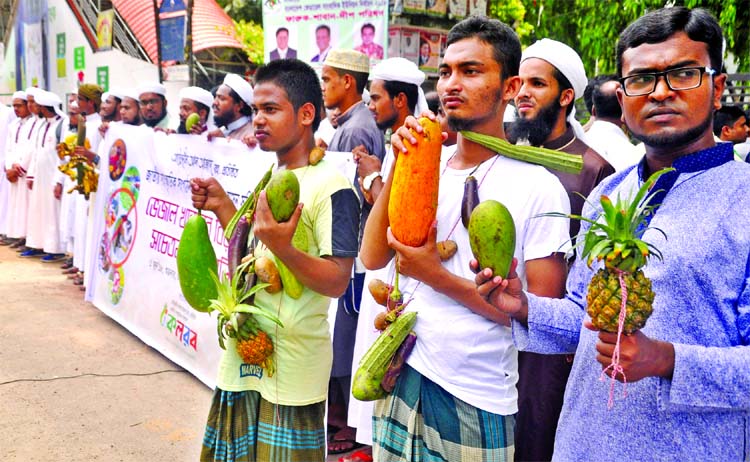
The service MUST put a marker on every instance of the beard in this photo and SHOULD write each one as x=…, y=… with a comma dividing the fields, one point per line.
x=386, y=124
x=537, y=129
x=457, y=123
x=181, y=128
x=110, y=116
x=153, y=122
x=675, y=139
x=221, y=121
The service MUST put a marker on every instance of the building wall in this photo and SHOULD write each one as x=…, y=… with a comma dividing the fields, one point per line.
x=124, y=71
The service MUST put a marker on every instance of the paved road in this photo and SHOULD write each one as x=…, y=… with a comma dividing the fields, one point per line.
x=77, y=386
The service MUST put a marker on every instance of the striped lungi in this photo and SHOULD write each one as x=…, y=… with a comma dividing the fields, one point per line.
x=421, y=422
x=244, y=427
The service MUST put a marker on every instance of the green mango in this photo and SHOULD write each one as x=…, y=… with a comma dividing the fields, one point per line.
x=196, y=259
x=191, y=120
x=492, y=235
x=282, y=193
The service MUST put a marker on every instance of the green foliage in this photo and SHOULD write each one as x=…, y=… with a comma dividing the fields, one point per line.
x=250, y=35
x=243, y=10
x=593, y=26
x=511, y=12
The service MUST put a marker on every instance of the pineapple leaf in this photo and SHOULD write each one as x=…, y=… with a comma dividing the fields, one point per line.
x=655, y=252
x=647, y=185
x=599, y=249
x=221, y=333
x=233, y=321
x=256, y=288
x=225, y=295
x=250, y=309
x=609, y=209
x=590, y=240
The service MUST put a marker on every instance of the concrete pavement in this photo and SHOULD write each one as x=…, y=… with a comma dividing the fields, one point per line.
x=77, y=386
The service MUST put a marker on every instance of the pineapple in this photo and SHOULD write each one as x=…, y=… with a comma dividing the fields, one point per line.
x=616, y=239
x=237, y=320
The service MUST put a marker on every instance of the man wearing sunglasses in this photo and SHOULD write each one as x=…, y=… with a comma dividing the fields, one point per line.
x=688, y=380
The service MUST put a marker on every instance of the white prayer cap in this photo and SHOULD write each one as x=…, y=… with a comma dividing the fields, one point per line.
x=567, y=61
x=397, y=69
x=131, y=93
x=32, y=91
x=564, y=58
x=20, y=95
x=47, y=98
x=157, y=88
x=118, y=93
x=402, y=70
x=198, y=95
x=240, y=86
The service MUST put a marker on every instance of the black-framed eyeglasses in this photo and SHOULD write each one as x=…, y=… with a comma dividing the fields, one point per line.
x=683, y=78
x=147, y=102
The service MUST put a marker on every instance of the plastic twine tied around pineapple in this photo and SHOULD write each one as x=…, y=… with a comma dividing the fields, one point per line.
x=615, y=367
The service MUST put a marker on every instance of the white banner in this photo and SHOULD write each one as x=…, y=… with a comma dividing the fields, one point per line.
x=141, y=209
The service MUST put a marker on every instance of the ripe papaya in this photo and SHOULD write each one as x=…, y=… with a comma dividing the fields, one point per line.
x=282, y=193
x=196, y=259
x=492, y=235
x=412, y=206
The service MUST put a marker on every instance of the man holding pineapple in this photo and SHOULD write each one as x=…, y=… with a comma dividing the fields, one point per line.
x=688, y=381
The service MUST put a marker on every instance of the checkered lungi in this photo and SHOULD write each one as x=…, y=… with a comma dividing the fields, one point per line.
x=421, y=422
x=244, y=427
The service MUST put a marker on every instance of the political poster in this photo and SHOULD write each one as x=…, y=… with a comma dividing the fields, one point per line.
x=141, y=208
x=309, y=29
x=104, y=27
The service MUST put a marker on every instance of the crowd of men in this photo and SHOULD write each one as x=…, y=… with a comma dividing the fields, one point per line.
x=502, y=369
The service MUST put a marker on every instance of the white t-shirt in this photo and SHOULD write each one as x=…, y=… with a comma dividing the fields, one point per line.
x=468, y=355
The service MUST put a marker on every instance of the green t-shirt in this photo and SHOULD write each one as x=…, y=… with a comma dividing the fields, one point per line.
x=303, y=352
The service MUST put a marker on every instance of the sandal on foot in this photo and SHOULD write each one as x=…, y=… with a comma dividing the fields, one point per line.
x=340, y=444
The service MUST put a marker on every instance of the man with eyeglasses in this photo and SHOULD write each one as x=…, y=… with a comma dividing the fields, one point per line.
x=152, y=99
x=688, y=380
x=552, y=78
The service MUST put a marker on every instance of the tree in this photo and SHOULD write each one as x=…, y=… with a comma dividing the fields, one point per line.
x=247, y=16
x=593, y=26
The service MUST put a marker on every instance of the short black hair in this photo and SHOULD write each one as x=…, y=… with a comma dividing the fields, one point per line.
x=505, y=44
x=366, y=26
x=659, y=25
x=299, y=81
x=588, y=92
x=246, y=110
x=394, y=87
x=433, y=101
x=726, y=116
x=359, y=77
x=605, y=103
x=323, y=26
x=282, y=29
